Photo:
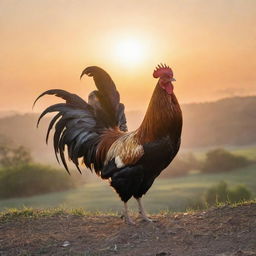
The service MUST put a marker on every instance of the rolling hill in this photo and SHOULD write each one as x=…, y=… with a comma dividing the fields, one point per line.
x=226, y=122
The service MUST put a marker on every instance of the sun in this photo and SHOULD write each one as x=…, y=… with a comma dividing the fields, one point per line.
x=130, y=51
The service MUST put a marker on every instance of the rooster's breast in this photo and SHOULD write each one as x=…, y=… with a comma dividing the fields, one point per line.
x=159, y=154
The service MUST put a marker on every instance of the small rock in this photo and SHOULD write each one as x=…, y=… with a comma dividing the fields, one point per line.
x=115, y=248
x=176, y=217
x=66, y=243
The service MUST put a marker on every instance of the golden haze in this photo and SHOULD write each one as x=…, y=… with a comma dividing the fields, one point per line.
x=45, y=44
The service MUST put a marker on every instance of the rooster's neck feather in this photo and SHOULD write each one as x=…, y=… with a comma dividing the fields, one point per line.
x=163, y=118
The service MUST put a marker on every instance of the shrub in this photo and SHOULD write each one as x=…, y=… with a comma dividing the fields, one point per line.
x=218, y=193
x=220, y=160
x=32, y=179
x=222, y=194
x=239, y=193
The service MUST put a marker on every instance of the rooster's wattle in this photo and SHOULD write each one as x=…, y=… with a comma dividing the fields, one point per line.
x=96, y=131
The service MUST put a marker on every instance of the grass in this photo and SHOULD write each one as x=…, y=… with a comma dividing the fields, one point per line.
x=30, y=212
x=165, y=195
x=14, y=213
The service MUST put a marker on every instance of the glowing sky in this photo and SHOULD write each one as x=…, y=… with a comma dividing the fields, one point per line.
x=45, y=44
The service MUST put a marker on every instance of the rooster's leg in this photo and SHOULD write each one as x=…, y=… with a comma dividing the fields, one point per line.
x=127, y=218
x=142, y=211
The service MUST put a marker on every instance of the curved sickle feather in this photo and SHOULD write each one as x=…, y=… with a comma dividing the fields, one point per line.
x=55, y=118
x=103, y=81
x=70, y=98
x=53, y=108
x=107, y=93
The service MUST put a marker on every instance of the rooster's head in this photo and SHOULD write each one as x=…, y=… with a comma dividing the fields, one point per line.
x=165, y=75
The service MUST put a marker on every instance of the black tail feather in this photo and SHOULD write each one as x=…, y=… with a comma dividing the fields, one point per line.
x=73, y=127
x=70, y=98
x=55, y=118
x=53, y=108
x=79, y=125
x=107, y=95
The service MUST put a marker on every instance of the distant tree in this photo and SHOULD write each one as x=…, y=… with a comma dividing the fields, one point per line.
x=32, y=179
x=14, y=156
x=221, y=160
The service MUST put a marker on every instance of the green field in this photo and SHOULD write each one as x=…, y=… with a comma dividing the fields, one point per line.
x=166, y=194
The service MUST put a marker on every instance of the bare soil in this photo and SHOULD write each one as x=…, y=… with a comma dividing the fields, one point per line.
x=225, y=231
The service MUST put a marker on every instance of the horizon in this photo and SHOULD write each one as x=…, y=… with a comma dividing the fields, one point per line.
x=2, y=111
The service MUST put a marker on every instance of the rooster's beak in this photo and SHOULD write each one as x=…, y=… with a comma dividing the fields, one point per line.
x=173, y=79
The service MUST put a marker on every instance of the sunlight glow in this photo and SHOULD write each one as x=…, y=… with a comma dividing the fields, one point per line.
x=130, y=51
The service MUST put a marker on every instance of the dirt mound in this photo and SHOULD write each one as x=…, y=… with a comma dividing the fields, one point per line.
x=222, y=231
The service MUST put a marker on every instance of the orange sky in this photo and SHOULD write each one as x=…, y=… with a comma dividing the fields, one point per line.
x=45, y=44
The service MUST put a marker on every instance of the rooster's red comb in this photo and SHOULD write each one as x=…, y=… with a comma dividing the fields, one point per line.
x=162, y=70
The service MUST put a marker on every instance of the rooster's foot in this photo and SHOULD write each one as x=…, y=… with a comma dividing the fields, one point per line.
x=145, y=218
x=126, y=216
x=142, y=212
x=127, y=220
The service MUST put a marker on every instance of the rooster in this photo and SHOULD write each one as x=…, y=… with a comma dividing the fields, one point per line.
x=96, y=131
